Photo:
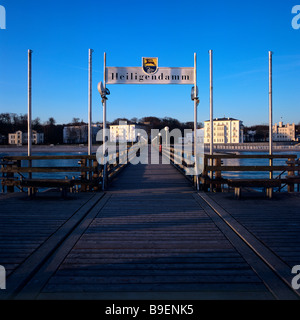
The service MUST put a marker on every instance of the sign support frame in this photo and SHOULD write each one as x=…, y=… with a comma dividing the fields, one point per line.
x=196, y=102
x=211, y=110
x=195, y=121
x=104, y=127
x=90, y=103
x=270, y=112
x=29, y=117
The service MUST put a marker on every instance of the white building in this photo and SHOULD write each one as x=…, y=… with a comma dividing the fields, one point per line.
x=20, y=138
x=284, y=132
x=79, y=134
x=225, y=130
x=124, y=132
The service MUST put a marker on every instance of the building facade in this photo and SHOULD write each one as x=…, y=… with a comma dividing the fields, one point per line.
x=79, y=134
x=225, y=130
x=124, y=132
x=20, y=138
x=75, y=134
x=283, y=132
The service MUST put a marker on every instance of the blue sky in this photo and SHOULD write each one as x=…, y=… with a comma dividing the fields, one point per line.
x=239, y=33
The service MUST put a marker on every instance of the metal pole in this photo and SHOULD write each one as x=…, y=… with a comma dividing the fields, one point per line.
x=211, y=108
x=29, y=117
x=270, y=113
x=90, y=104
x=104, y=125
x=195, y=120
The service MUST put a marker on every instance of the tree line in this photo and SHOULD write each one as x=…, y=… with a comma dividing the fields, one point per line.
x=11, y=122
x=53, y=132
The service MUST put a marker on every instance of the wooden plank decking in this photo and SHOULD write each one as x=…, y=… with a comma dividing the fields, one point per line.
x=151, y=236
x=275, y=223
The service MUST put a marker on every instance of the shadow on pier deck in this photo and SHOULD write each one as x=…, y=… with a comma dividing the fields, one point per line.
x=151, y=236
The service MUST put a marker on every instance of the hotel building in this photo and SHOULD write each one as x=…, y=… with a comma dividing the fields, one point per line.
x=225, y=130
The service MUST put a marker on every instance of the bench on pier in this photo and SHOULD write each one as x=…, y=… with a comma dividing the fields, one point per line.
x=217, y=164
x=64, y=185
x=291, y=180
x=14, y=170
x=267, y=184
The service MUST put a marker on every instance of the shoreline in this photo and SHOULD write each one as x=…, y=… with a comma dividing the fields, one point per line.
x=47, y=149
x=84, y=149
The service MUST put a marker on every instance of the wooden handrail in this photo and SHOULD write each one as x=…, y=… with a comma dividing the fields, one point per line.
x=62, y=157
x=251, y=168
x=250, y=156
x=46, y=169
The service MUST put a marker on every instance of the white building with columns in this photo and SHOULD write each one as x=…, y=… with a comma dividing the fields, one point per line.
x=225, y=130
x=20, y=138
x=124, y=132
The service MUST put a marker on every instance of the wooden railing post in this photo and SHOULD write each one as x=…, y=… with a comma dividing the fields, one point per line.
x=211, y=174
x=10, y=187
x=96, y=174
x=205, y=173
x=290, y=173
x=218, y=175
x=19, y=164
x=2, y=181
x=83, y=175
x=298, y=164
x=90, y=174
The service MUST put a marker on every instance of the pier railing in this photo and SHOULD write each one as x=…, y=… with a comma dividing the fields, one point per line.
x=82, y=172
x=216, y=168
x=182, y=160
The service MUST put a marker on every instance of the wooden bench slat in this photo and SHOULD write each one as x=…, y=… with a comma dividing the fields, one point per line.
x=48, y=183
x=254, y=182
x=46, y=169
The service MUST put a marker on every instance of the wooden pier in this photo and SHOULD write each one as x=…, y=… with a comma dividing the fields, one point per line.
x=150, y=236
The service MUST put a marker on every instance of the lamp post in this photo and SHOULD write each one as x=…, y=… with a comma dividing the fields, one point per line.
x=90, y=104
x=138, y=137
x=158, y=141
x=167, y=130
x=104, y=92
x=194, y=96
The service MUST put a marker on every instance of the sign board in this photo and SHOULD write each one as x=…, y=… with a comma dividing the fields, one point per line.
x=149, y=73
x=136, y=75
